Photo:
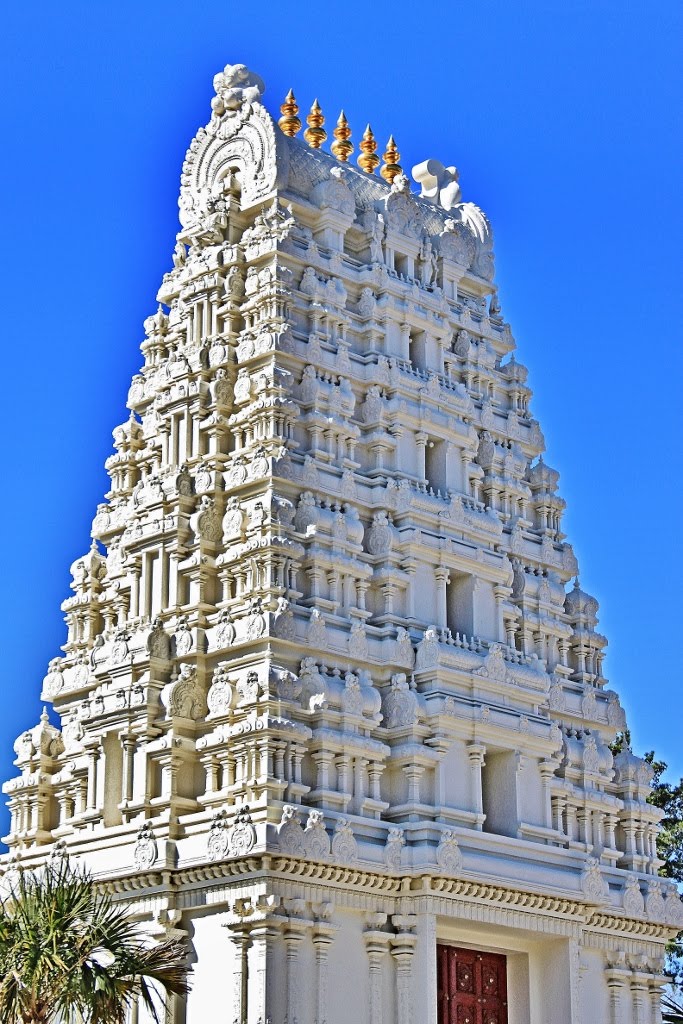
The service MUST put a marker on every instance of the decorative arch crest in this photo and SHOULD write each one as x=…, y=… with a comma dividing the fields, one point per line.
x=240, y=137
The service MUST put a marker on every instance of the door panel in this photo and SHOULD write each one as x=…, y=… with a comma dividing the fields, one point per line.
x=472, y=986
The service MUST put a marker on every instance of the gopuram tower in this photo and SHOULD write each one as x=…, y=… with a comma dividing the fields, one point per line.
x=331, y=710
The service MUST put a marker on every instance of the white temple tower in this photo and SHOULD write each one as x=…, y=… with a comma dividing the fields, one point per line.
x=328, y=710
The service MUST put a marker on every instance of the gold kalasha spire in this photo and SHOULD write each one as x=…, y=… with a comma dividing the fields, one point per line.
x=315, y=134
x=368, y=158
x=289, y=122
x=391, y=166
x=342, y=148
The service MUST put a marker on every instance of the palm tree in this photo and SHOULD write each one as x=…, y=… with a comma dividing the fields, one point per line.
x=69, y=954
x=672, y=1011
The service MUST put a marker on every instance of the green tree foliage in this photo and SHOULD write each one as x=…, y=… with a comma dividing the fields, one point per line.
x=69, y=954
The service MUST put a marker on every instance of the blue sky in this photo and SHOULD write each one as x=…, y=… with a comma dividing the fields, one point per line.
x=562, y=120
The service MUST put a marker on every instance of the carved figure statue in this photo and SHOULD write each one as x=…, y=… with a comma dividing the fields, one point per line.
x=235, y=85
x=439, y=184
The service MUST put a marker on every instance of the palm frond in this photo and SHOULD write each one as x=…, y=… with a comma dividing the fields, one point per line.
x=69, y=953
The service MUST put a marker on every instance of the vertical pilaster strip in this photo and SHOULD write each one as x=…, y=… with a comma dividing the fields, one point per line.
x=617, y=977
x=424, y=965
x=323, y=936
x=293, y=937
x=640, y=998
x=241, y=941
x=376, y=946
x=402, y=949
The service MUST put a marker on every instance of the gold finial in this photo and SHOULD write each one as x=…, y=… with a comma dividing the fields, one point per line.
x=368, y=159
x=289, y=122
x=391, y=166
x=342, y=148
x=315, y=134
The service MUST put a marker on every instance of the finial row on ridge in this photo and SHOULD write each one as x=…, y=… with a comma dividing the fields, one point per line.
x=341, y=148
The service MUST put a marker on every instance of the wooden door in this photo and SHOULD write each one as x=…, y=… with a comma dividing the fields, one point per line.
x=472, y=986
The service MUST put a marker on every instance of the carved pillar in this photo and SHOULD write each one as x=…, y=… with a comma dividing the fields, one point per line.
x=402, y=949
x=128, y=743
x=475, y=756
x=240, y=939
x=264, y=936
x=442, y=578
x=617, y=977
x=376, y=945
x=421, y=443
x=501, y=593
x=323, y=936
x=640, y=997
x=410, y=569
x=93, y=758
x=547, y=770
x=655, y=986
x=424, y=978
x=293, y=936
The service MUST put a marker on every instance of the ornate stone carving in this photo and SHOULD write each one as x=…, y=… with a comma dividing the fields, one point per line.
x=593, y=884
x=225, y=631
x=218, y=841
x=159, y=643
x=183, y=637
x=186, y=698
x=495, y=666
x=316, y=632
x=352, y=697
x=220, y=695
x=427, y=650
x=379, y=537
x=449, y=854
x=403, y=649
x=290, y=832
x=53, y=682
x=357, y=642
x=315, y=837
x=654, y=902
x=283, y=621
x=249, y=688
x=400, y=706
x=235, y=86
x=145, y=850
x=393, y=849
x=288, y=686
x=633, y=901
x=256, y=622
x=241, y=834
x=344, y=845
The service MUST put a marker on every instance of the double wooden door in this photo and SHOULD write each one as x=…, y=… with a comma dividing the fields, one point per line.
x=472, y=986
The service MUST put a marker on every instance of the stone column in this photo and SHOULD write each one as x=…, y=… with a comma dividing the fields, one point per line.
x=240, y=939
x=501, y=593
x=128, y=743
x=293, y=936
x=475, y=756
x=323, y=936
x=617, y=976
x=547, y=770
x=376, y=945
x=94, y=756
x=424, y=978
x=421, y=443
x=402, y=952
x=264, y=937
x=640, y=997
x=655, y=985
x=441, y=575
